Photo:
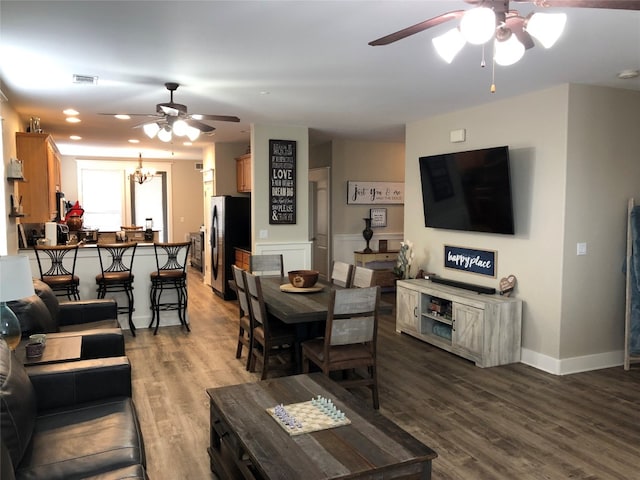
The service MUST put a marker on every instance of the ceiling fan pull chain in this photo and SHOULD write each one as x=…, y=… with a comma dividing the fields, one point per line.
x=483, y=63
x=493, y=71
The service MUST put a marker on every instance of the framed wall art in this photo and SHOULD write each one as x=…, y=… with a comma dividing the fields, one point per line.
x=282, y=182
x=378, y=217
x=471, y=260
x=369, y=193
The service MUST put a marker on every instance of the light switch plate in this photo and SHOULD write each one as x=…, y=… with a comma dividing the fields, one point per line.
x=581, y=248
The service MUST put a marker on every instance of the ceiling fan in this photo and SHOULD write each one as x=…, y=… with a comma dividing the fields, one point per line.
x=507, y=21
x=173, y=119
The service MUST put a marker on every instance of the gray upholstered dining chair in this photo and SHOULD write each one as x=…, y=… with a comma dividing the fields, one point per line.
x=266, y=264
x=244, y=315
x=341, y=274
x=349, y=341
x=272, y=341
x=362, y=277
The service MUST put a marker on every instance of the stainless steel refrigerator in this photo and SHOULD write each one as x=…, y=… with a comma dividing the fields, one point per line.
x=230, y=228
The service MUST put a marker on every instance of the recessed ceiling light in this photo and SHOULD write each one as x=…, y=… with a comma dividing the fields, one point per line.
x=187, y=144
x=122, y=116
x=85, y=79
x=134, y=140
x=75, y=137
x=627, y=74
x=71, y=112
x=73, y=120
x=264, y=92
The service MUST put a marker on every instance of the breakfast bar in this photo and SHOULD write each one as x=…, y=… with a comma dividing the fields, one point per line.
x=88, y=266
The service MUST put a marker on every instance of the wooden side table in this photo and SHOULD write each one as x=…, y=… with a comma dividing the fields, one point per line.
x=382, y=263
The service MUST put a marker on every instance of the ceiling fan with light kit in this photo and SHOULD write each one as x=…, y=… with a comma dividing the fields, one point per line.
x=512, y=34
x=173, y=119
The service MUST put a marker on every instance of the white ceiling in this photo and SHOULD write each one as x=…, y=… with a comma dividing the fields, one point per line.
x=274, y=62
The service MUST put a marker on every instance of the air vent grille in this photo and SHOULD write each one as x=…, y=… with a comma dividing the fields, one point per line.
x=199, y=166
x=85, y=79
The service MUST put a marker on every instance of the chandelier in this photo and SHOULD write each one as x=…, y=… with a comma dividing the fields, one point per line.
x=511, y=33
x=141, y=175
x=173, y=126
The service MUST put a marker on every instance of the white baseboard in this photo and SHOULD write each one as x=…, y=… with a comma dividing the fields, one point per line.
x=567, y=366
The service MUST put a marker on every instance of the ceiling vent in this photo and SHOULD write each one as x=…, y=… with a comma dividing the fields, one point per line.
x=85, y=79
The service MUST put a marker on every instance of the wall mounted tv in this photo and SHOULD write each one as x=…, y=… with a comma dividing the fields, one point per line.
x=468, y=191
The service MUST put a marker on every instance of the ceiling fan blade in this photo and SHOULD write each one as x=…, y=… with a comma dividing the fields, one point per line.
x=218, y=118
x=203, y=127
x=611, y=4
x=167, y=110
x=161, y=122
x=153, y=115
x=516, y=25
x=417, y=28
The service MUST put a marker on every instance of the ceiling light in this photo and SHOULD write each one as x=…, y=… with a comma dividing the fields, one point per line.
x=628, y=74
x=73, y=120
x=508, y=52
x=449, y=44
x=164, y=134
x=546, y=27
x=187, y=144
x=121, y=116
x=133, y=140
x=193, y=133
x=70, y=112
x=478, y=25
x=75, y=137
x=180, y=127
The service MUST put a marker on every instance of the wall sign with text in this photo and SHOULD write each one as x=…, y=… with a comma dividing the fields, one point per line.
x=367, y=193
x=470, y=260
x=282, y=182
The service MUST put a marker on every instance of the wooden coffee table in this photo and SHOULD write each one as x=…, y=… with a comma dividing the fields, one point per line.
x=56, y=350
x=247, y=442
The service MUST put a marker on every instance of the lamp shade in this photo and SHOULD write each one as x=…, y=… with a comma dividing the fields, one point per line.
x=151, y=129
x=508, y=51
x=15, y=278
x=164, y=134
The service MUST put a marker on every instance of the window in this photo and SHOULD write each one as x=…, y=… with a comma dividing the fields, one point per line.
x=103, y=199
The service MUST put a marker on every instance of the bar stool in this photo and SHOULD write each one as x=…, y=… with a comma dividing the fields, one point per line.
x=171, y=262
x=118, y=275
x=62, y=281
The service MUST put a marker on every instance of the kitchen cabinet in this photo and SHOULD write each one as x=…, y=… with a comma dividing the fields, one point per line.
x=485, y=329
x=242, y=258
x=197, y=249
x=41, y=167
x=243, y=173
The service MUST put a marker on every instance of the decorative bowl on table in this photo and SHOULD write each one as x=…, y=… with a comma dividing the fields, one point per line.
x=303, y=278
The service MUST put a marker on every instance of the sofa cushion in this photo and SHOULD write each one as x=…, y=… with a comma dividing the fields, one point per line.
x=17, y=405
x=33, y=315
x=134, y=472
x=48, y=297
x=89, y=440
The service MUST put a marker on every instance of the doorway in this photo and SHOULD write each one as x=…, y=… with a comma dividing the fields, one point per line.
x=320, y=219
x=149, y=200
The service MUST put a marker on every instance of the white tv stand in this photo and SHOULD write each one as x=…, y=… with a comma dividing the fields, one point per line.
x=485, y=329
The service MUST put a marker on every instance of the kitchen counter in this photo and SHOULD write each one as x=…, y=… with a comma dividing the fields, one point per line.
x=88, y=266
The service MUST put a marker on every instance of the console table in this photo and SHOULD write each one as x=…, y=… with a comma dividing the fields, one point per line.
x=246, y=442
x=382, y=263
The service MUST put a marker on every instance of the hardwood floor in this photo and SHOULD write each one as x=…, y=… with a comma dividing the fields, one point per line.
x=510, y=422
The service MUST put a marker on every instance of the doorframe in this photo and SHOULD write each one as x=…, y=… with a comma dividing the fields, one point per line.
x=316, y=174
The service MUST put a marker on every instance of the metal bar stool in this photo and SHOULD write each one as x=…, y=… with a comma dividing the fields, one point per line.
x=118, y=275
x=171, y=262
x=62, y=281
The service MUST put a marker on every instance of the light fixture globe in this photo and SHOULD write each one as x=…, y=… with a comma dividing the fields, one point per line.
x=478, y=25
x=508, y=52
x=180, y=128
x=151, y=129
x=546, y=27
x=449, y=44
x=193, y=133
x=164, y=134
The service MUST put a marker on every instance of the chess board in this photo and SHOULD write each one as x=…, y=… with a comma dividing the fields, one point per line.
x=308, y=418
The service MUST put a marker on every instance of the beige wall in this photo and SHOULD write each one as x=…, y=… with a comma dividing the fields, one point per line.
x=558, y=139
x=10, y=124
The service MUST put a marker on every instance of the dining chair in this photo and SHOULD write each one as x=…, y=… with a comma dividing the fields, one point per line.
x=266, y=264
x=349, y=341
x=245, y=330
x=170, y=274
x=57, y=270
x=362, y=277
x=341, y=274
x=272, y=341
x=116, y=274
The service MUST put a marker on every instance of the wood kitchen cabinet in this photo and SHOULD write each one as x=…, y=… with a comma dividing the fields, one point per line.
x=243, y=173
x=41, y=167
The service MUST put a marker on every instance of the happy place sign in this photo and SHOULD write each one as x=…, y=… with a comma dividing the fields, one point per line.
x=482, y=262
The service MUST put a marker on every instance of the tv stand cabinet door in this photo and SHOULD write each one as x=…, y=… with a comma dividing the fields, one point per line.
x=407, y=314
x=467, y=332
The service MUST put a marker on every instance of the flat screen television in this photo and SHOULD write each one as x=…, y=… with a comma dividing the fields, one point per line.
x=468, y=191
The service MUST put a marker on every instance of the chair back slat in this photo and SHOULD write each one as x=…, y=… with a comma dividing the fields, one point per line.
x=238, y=277
x=56, y=260
x=256, y=301
x=352, y=330
x=118, y=253
x=174, y=256
x=266, y=264
x=341, y=274
x=362, y=277
x=352, y=316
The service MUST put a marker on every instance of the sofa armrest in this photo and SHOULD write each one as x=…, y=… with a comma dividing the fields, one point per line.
x=97, y=342
x=71, y=383
x=86, y=311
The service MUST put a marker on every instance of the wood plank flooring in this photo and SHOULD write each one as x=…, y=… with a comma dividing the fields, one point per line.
x=510, y=422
